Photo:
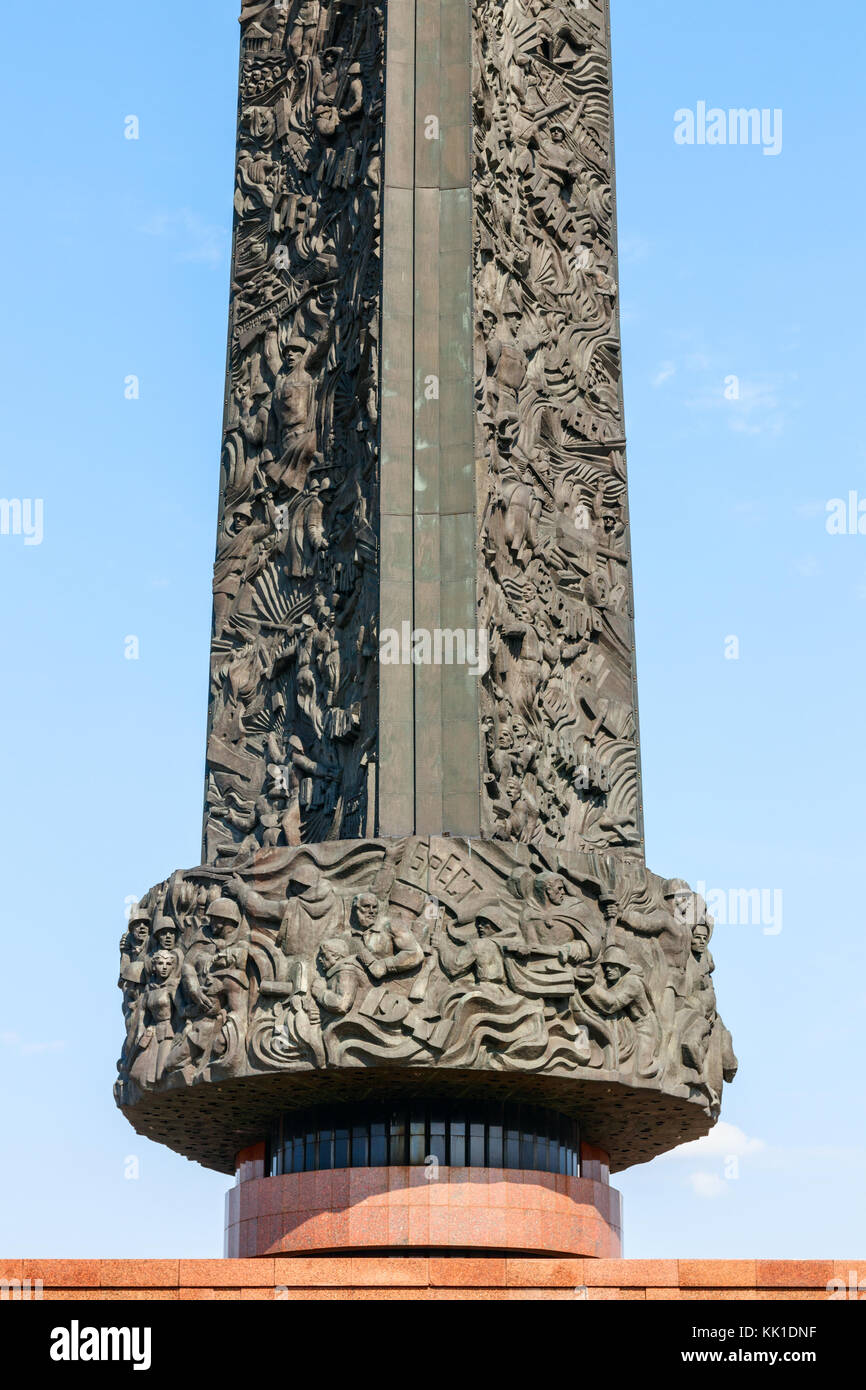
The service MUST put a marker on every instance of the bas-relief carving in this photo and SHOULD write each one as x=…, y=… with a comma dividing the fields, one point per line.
x=292, y=726
x=422, y=953
x=558, y=705
x=303, y=943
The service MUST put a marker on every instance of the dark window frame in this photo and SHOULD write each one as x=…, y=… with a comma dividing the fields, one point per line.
x=505, y=1135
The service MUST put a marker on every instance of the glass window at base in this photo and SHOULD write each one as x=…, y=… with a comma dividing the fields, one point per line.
x=462, y=1136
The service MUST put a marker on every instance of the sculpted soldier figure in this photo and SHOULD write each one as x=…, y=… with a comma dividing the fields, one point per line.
x=621, y=995
x=215, y=994
x=487, y=1016
x=516, y=810
x=133, y=956
x=214, y=969
x=704, y=1041
x=384, y=949
x=664, y=944
x=133, y=950
x=306, y=919
x=559, y=919
x=309, y=27
x=295, y=404
x=326, y=649
x=238, y=560
x=389, y=951
x=338, y=985
x=165, y=934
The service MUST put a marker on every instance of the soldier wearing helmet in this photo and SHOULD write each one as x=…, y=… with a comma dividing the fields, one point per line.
x=214, y=970
x=133, y=955
x=310, y=914
x=239, y=558
x=165, y=936
x=133, y=943
x=622, y=996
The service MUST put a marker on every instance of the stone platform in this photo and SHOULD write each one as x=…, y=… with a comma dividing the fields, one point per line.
x=433, y=1277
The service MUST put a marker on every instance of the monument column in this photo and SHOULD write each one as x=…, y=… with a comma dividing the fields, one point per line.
x=422, y=950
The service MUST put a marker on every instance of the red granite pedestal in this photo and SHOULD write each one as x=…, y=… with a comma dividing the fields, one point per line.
x=452, y=1275
x=419, y=1210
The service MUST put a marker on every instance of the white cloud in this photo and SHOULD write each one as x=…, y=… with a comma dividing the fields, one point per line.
x=726, y=1142
x=757, y=410
x=664, y=373
x=708, y=1185
x=723, y=1141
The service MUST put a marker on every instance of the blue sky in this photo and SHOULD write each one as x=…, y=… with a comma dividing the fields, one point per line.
x=732, y=264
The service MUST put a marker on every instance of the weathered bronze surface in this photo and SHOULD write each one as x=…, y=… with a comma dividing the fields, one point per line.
x=420, y=875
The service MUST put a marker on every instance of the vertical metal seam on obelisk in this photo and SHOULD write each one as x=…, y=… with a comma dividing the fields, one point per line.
x=458, y=562
x=396, y=691
x=412, y=597
x=429, y=732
